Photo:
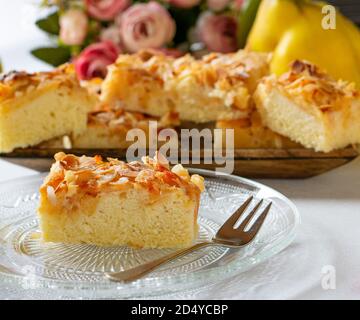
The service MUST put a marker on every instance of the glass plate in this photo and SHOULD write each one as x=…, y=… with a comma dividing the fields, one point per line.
x=32, y=269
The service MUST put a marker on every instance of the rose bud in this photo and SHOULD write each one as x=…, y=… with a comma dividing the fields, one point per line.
x=73, y=27
x=217, y=5
x=183, y=3
x=217, y=32
x=238, y=4
x=106, y=9
x=93, y=61
x=146, y=25
x=112, y=34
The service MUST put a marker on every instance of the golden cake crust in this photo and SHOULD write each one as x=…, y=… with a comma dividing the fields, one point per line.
x=72, y=177
x=16, y=83
x=117, y=119
x=216, y=87
x=309, y=86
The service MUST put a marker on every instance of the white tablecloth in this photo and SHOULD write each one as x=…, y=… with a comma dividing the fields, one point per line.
x=328, y=238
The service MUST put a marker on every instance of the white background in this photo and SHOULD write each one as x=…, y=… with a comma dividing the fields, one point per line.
x=329, y=204
x=18, y=34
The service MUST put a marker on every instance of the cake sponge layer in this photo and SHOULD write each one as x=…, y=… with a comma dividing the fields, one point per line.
x=250, y=133
x=124, y=219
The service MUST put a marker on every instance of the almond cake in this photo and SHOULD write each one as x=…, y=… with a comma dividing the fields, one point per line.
x=250, y=133
x=308, y=106
x=217, y=87
x=140, y=204
x=108, y=127
x=41, y=106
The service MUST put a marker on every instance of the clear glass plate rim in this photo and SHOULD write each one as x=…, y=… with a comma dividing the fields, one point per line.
x=222, y=272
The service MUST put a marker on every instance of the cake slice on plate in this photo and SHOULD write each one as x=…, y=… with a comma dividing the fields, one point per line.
x=139, y=204
x=40, y=106
x=310, y=107
x=217, y=87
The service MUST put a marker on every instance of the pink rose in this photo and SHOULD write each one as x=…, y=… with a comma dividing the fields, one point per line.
x=184, y=3
x=112, y=34
x=217, y=5
x=146, y=25
x=217, y=32
x=93, y=61
x=73, y=27
x=106, y=9
x=238, y=4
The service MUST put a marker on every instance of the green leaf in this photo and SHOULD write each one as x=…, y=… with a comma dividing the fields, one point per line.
x=54, y=56
x=246, y=20
x=50, y=24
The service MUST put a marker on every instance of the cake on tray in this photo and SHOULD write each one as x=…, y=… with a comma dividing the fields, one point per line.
x=217, y=87
x=41, y=106
x=107, y=128
x=250, y=133
x=308, y=106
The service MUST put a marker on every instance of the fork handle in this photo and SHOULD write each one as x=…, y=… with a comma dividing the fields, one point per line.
x=139, y=271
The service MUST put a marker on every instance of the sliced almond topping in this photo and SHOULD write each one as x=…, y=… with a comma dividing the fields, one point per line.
x=50, y=192
x=145, y=175
x=198, y=181
x=71, y=175
x=107, y=177
x=160, y=159
x=180, y=171
x=122, y=180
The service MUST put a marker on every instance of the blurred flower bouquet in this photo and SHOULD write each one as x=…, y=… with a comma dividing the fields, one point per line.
x=93, y=32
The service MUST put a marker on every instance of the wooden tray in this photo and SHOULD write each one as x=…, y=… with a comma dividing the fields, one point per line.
x=251, y=163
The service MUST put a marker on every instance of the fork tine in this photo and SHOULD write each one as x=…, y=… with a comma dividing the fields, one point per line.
x=259, y=221
x=235, y=217
x=250, y=215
